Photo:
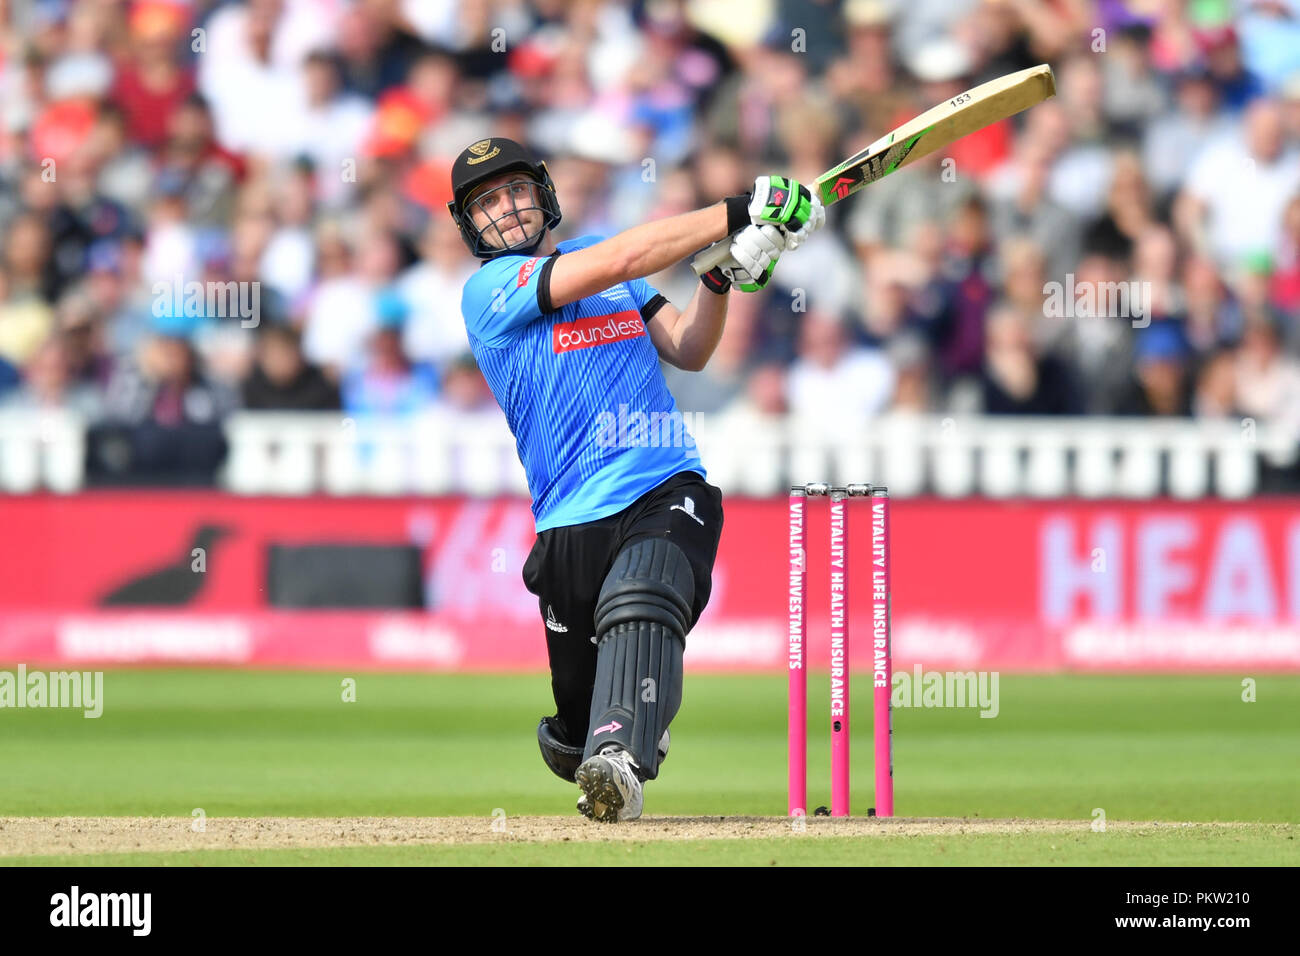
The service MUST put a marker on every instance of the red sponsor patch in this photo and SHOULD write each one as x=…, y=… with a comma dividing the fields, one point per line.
x=525, y=271
x=596, y=330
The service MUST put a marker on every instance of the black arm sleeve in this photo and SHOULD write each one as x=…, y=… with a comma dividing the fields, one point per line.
x=544, y=285
x=650, y=308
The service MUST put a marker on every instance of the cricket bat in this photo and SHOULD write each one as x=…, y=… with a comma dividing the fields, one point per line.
x=934, y=129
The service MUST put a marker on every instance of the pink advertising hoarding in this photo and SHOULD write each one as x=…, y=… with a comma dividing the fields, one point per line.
x=1085, y=586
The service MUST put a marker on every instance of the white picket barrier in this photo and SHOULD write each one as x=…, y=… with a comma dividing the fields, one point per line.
x=278, y=453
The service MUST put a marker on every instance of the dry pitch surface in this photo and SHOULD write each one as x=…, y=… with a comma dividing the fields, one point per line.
x=66, y=836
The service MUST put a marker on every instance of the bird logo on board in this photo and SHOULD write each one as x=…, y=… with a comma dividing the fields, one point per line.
x=480, y=151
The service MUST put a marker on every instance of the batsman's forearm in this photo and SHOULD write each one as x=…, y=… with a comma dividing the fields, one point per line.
x=699, y=329
x=644, y=250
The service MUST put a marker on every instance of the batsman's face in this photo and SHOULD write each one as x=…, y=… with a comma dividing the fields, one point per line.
x=507, y=210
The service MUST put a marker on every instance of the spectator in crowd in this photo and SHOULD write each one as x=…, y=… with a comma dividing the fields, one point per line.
x=1269, y=32
x=464, y=390
x=1023, y=280
x=1174, y=139
x=286, y=259
x=766, y=396
x=1216, y=387
x=1015, y=379
x=161, y=416
x=1154, y=265
x=887, y=308
x=1268, y=380
x=388, y=383
x=80, y=332
x=206, y=173
x=1285, y=291
x=251, y=78
x=119, y=294
x=1132, y=93
x=956, y=331
x=914, y=391
x=150, y=82
x=333, y=126
x=1097, y=329
x=1021, y=205
x=342, y=313
x=1232, y=201
x=377, y=48
x=1162, y=383
x=1237, y=85
x=282, y=380
x=834, y=384
x=1127, y=214
x=172, y=243
x=1082, y=171
x=79, y=218
x=10, y=377
x=164, y=386
x=25, y=316
x=435, y=332
x=125, y=168
x=1214, y=317
x=49, y=385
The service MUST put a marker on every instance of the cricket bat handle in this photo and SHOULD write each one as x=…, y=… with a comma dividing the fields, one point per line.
x=714, y=255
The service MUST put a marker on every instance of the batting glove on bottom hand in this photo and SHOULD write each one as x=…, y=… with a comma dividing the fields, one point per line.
x=754, y=254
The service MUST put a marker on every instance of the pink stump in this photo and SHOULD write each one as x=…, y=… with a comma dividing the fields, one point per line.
x=881, y=662
x=797, y=721
x=839, y=659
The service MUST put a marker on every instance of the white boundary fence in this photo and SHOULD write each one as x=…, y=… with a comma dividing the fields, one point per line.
x=953, y=457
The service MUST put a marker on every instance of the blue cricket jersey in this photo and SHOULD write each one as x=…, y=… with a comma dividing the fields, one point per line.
x=593, y=420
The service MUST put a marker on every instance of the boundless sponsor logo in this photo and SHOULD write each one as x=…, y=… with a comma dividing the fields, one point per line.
x=596, y=330
x=637, y=429
x=71, y=689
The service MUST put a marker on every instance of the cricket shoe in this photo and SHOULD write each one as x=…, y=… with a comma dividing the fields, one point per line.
x=612, y=786
x=584, y=805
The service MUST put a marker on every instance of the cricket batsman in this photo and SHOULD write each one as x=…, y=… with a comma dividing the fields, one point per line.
x=569, y=337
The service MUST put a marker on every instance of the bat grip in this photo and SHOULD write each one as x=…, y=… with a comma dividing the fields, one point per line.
x=714, y=255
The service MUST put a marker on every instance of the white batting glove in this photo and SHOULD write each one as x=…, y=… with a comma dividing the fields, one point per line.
x=754, y=253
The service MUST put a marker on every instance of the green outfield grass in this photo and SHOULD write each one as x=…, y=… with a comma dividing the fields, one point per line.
x=238, y=743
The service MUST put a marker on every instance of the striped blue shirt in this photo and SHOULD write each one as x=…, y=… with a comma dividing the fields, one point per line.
x=581, y=387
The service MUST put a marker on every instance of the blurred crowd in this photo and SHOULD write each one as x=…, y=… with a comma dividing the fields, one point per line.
x=1131, y=247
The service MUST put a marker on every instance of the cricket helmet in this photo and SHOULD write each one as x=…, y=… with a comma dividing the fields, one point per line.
x=484, y=160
